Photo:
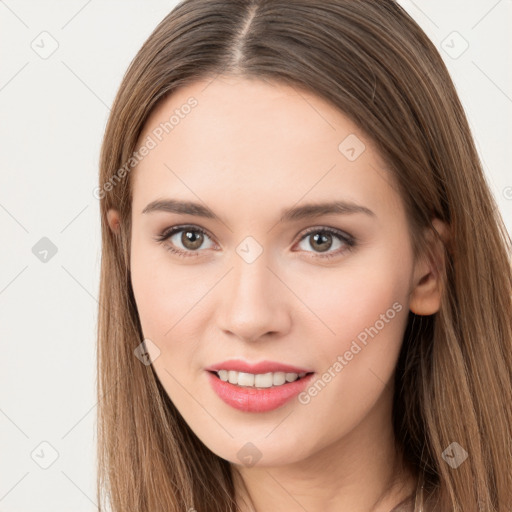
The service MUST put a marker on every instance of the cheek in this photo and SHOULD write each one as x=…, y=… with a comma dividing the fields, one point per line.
x=367, y=312
x=158, y=292
x=166, y=302
x=169, y=300
x=365, y=302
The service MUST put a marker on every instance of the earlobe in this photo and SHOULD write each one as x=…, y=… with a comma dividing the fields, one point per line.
x=425, y=298
x=113, y=219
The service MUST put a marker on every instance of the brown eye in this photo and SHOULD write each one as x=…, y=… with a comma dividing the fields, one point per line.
x=183, y=240
x=321, y=240
x=191, y=239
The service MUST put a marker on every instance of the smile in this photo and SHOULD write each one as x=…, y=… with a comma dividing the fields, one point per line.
x=260, y=380
x=260, y=396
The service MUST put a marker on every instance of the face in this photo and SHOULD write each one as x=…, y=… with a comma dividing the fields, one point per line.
x=263, y=278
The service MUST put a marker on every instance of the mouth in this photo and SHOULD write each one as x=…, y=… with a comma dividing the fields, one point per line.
x=259, y=380
x=257, y=392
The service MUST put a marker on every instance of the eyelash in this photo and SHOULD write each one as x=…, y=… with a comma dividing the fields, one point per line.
x=348, y=240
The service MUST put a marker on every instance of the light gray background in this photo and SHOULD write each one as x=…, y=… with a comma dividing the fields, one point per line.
x=52, y=116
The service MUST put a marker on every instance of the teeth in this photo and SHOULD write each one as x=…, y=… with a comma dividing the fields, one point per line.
x=261, y=380
x=244, y=379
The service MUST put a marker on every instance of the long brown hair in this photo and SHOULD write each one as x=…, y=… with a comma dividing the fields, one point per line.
x=453, y=383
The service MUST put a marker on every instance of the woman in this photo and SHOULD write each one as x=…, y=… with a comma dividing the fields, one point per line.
x=239, y=367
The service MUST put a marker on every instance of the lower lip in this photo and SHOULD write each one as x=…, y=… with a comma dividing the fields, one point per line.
x=249, y=399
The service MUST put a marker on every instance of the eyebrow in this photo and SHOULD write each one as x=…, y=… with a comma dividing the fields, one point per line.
x=290, y=214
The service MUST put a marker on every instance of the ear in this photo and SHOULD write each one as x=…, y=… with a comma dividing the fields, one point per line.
x=114, y=220
x=426, y=294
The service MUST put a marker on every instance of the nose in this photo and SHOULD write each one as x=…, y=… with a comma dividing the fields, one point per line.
x=253, y=301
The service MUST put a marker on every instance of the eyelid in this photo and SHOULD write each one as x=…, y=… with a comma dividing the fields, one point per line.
x=168, y=232
x=326, y=229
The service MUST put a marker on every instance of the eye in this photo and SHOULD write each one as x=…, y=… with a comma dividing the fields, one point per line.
x=191, y=239
x=321, y=239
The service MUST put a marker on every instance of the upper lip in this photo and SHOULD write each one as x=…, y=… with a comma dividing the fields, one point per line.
x=256, y=368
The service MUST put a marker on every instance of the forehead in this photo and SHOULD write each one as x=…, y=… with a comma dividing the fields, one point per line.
x=257, y=142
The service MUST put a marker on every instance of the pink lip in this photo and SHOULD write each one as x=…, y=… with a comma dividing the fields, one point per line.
x=250, y=399
x=256, y=368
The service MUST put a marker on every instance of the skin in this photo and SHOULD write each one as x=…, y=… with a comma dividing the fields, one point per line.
x=248, y=150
